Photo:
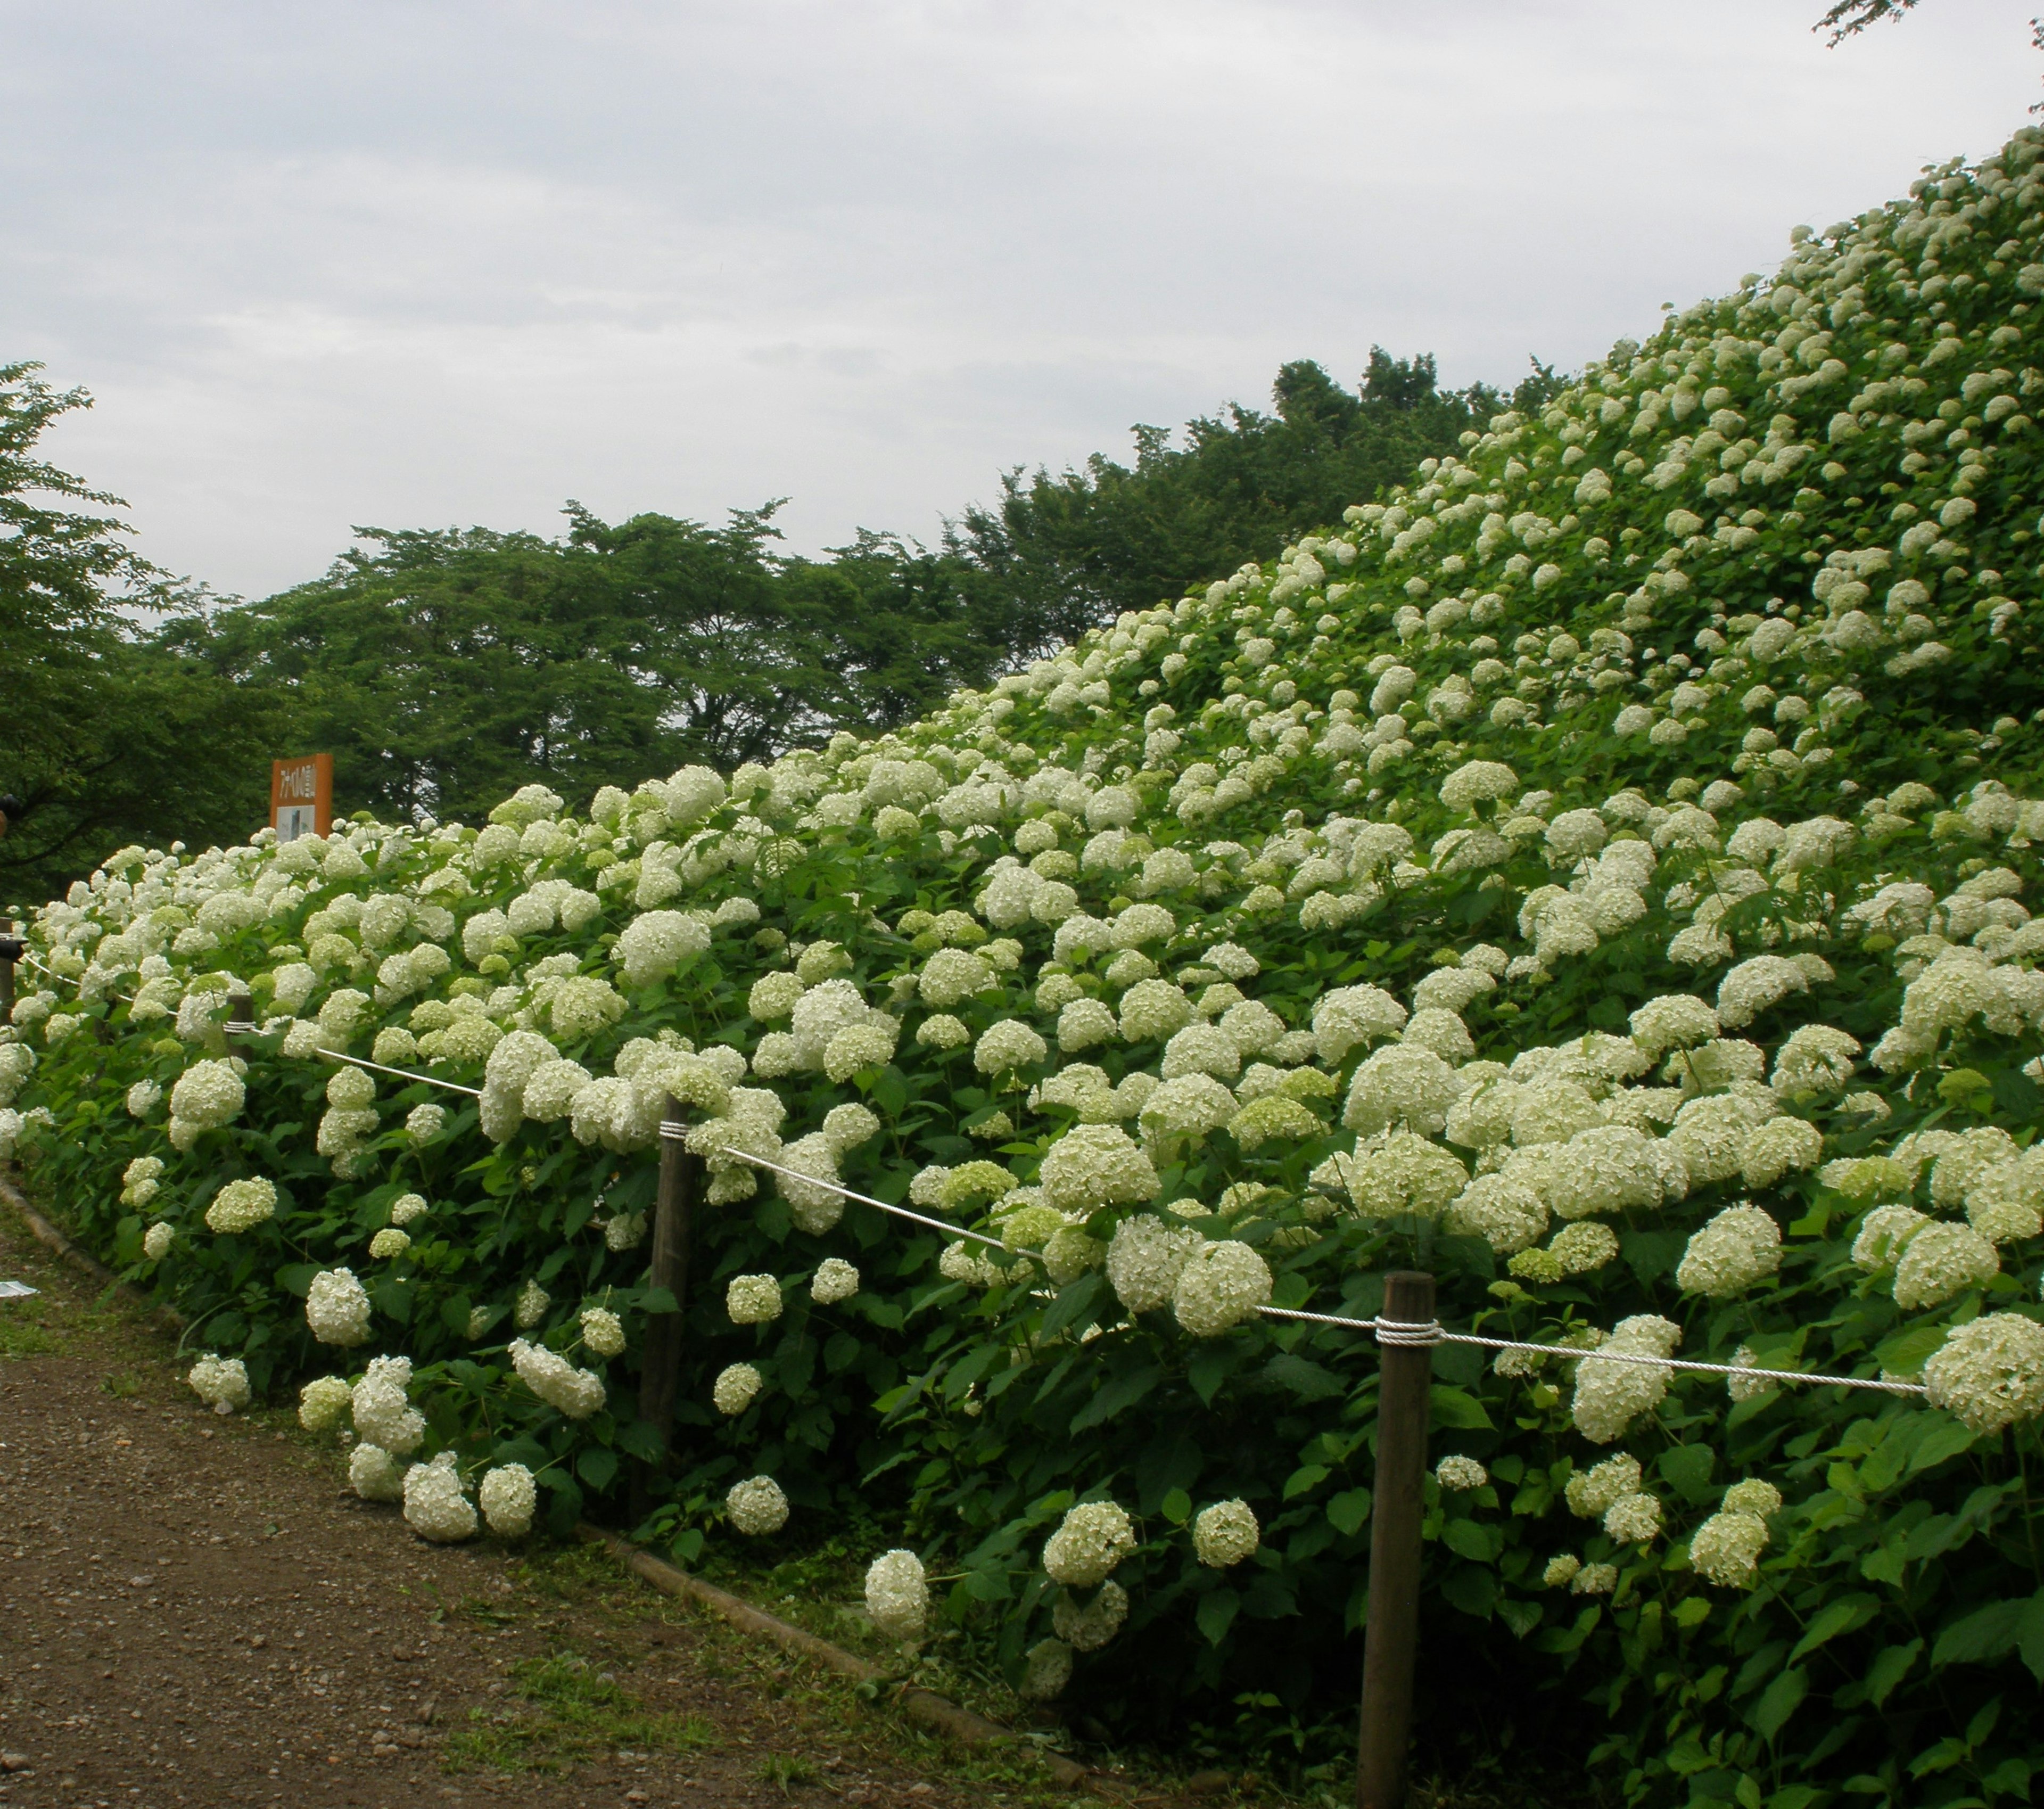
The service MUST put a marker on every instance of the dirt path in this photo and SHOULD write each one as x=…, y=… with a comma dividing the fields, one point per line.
x=193, y=1611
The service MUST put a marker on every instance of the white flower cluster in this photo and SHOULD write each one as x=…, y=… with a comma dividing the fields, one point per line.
x=578, y=1393
x=898, y=1594
x=337, y=1307
x=756, y=1507
x=1225, y=1534
x=221, y=1382
x=1090, y=1541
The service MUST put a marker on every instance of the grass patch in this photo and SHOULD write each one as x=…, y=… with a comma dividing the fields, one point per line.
x=21, y=1336
x=565, y=1712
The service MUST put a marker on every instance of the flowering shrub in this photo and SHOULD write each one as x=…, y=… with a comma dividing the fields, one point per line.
x=1597, y=871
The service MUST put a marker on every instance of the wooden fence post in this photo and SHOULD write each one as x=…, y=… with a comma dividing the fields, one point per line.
x=8, y=947
x=1391, y=1636
x=241, y=1026
x=660, y=1371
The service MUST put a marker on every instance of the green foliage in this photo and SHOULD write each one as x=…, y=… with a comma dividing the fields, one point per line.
x=1077, y=549
x=97, y=736
x=445, y=669
x=1708, y=696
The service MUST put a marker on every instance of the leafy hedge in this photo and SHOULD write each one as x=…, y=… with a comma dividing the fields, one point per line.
x=1622, y=829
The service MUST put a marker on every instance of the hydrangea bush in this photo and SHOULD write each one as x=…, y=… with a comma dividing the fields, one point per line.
x=1600, y=870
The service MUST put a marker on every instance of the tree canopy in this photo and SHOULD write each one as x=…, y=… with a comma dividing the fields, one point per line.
x=444, y=667
x=1082, y=546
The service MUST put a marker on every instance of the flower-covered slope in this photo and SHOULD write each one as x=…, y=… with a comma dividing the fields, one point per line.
x=1602, y=870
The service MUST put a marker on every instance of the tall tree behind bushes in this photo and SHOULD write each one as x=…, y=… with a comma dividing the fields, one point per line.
x=1080, y=547
x=443, y=668
x=104, y=737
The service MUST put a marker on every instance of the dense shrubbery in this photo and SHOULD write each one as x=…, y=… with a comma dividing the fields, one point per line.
x=1597, y=873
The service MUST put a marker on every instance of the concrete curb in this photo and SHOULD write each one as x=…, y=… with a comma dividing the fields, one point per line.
x=925, y=1706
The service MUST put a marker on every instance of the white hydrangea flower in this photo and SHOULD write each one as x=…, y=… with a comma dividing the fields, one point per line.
x=1590, y=1493
x=157, y=1240
x=382, y=1413
x=1633, y=1519
x=774, y=996
x=1007, y=1044
x=898, y=1594
x=1941, y=1261
x=375, y=1474
x=337, y=1307
x=1221, y=1285
x=1225, y=1534
x=752, y=1299
x=1086, y=1626
x=658, y=943
x=1047, y=1669
x=221, y=1383
x=1673, y=1021
x=1990, y=1373
x=942, y=1031
x=1726, y=1548
x=389, y=1243
x=1610, y=1396
x=435, y=1508
x=835, y=1279
x=602, y=1331
x=530, y=1307
x=1458, y=1473
x=1561, y=1570
x=1093, y=1165
x=736, y=1386
x=756, y=1507
x=323, y=1403
x=142, y=1098
x=1145, y=1258
x=1595, y=1580
x=508, y=1498
x=1478, y=782
x=1740, y=1246
x=1090, y=1541
x=577, y=1393
x=1397, y=1085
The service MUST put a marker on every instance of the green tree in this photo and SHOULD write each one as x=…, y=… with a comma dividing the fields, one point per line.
x=103, y=738
x=445, y=668
x=1078, y=548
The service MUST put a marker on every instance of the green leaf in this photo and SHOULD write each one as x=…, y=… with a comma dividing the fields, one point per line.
x=1692, y=1611
x=1209, y=1368
x=1888, y=1668
x=1778, y=1701
x=1305, y=1479
x=1177, y=1507
x=1452, y=1407
x=659, y=1300
x=1216, y=1614
x=1834, y=1619
x=1471, y=1588
x=1349, y=1510
x=1687, y=1470
x=1118, y=1393
x=2030, y=1636
x=1938, y=1444
x=1906, y=1351
x=1984, y=1636
x=1474, y=1540
x=1074, y=1301
x=1303, y=1377
x=596, y=1467
x=297, y=1278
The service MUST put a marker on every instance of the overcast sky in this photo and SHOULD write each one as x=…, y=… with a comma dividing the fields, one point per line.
x=454, y=261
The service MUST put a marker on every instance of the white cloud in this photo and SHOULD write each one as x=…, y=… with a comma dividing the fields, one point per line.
x=381, y=263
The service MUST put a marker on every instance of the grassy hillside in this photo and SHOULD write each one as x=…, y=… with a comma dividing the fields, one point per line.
x=1597, y=873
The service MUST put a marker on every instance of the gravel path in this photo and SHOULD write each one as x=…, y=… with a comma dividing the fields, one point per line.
x=196, y=1613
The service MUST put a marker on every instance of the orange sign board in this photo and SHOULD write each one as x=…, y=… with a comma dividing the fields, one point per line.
x=302, y=796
